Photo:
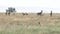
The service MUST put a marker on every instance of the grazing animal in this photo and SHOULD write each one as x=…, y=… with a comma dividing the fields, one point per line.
x=24, y=13
x=51, y=13
x=40, y=13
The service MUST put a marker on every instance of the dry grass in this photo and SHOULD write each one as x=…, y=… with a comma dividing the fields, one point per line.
x=29, y=24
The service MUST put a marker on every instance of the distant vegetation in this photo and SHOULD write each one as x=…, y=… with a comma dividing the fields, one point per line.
x=10, y=10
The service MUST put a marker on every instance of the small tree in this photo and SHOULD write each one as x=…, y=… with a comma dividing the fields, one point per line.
x=10, y=10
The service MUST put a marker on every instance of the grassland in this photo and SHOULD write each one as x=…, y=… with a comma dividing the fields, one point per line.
x=29, y=24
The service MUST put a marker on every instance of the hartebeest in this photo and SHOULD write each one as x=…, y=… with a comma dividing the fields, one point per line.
x=24, y=13
x=40, y=13
x=51, y=13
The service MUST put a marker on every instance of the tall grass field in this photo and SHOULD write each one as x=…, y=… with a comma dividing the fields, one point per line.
x=30, y=24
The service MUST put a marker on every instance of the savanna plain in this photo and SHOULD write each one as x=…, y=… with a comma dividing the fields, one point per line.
x=30, y=24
